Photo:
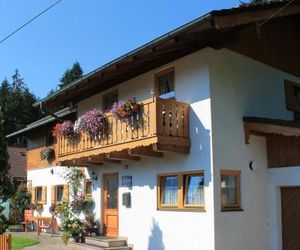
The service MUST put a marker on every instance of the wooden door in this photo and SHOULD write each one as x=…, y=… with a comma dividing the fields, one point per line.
x=110, y=204
x=290, y=206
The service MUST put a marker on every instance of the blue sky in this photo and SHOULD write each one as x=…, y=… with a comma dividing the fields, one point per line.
x=92, y=32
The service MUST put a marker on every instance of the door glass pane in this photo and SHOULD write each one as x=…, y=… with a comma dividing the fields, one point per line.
x=112, y=192
x=170, y=190
x=194, y=193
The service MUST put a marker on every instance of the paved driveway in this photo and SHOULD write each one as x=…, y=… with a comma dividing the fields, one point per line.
x=48, y=242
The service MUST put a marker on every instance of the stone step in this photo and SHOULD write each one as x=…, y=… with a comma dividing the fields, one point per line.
x=106, y=242
x=87, y=246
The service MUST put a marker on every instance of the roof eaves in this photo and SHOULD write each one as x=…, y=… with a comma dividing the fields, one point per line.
x=150, y=44
x=43, y=121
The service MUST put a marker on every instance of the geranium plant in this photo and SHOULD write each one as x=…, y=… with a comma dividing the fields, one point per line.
x=66, y=128
x=125, y=109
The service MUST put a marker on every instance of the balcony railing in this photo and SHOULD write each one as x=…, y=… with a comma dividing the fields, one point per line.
x=158, y=121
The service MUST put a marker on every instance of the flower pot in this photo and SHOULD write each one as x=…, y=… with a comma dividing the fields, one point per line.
x=76, y=238
x=82, y=239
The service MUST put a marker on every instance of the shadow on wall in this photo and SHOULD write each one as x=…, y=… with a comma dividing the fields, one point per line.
x=156, y=238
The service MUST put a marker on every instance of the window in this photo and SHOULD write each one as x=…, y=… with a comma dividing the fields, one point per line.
x=165, y=83
x=292, y=97
x=109, y=99
x=49, y=138
x=88, y=185
x=38, y=194
x=230, y=190
x=181, y=191
x=59, y=193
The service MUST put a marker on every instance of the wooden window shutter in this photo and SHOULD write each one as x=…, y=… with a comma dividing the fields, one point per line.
x=53, y=200
x=32, y=194
x=66, y=192
x=44, y=195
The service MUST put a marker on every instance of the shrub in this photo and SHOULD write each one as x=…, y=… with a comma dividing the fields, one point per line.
x=19, y=203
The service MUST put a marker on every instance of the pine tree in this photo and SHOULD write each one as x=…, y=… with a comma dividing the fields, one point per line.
x=7, y=188
x=71, y=75
x=17, y=106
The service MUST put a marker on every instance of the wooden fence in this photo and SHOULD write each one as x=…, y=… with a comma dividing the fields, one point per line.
x=5, y=242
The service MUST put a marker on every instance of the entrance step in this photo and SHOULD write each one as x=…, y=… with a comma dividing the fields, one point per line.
x=104, y=243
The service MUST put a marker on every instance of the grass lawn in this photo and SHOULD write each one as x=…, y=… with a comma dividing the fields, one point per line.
x=21, y=242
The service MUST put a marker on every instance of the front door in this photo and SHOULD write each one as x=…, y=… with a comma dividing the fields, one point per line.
x=110, y=204
x=290, y=206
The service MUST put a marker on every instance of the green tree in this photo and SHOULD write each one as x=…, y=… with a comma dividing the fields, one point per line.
x=71, y=75
x=7, y=187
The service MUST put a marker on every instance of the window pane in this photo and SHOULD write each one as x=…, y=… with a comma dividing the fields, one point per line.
x=166, y=83
x=112, y=197
x=59, y=193
x=170, y=190
x=38, y=193
x=88, y=188
x=109, y=99
x=229, y=190
x=194, y=190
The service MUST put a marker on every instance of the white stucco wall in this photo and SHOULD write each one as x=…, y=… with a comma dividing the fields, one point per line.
x=145, y=226
x=241, y=87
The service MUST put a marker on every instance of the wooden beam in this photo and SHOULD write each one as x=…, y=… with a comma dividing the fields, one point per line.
x=122, y=155
x=102, y=158
x=145, y=151
x=171, y=148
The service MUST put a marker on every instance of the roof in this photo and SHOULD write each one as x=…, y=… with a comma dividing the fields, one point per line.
x=62, y=113
x=279, y=122
x=208, y=30
x=17, y=161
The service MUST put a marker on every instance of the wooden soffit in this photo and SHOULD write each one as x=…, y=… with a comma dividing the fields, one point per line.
x=265, y=126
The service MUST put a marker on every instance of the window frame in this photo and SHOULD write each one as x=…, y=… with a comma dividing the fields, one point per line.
x=237, y=174
x=55, y=193
x=86, y=195
x=160, y=73
x=181, y=206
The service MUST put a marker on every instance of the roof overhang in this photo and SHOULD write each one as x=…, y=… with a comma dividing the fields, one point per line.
x=211, y=30
x=44, y=121
x=266, y=126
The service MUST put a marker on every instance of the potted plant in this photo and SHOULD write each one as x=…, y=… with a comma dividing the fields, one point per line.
x=47, y=154
x=93, y=122
x=125, y=109
x=66, y=128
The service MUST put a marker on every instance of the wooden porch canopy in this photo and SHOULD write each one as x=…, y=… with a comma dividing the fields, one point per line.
x=282, y=138
x=265, y=126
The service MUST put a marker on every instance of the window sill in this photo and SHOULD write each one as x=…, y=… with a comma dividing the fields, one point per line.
x=194, y=209
x=232, y=209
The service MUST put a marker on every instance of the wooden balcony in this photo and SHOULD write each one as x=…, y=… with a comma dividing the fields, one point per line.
x=161, y=125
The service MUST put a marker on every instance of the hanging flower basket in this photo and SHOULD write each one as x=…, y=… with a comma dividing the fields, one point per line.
x=93, y=122
x=125, y=109
x=47, y=154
